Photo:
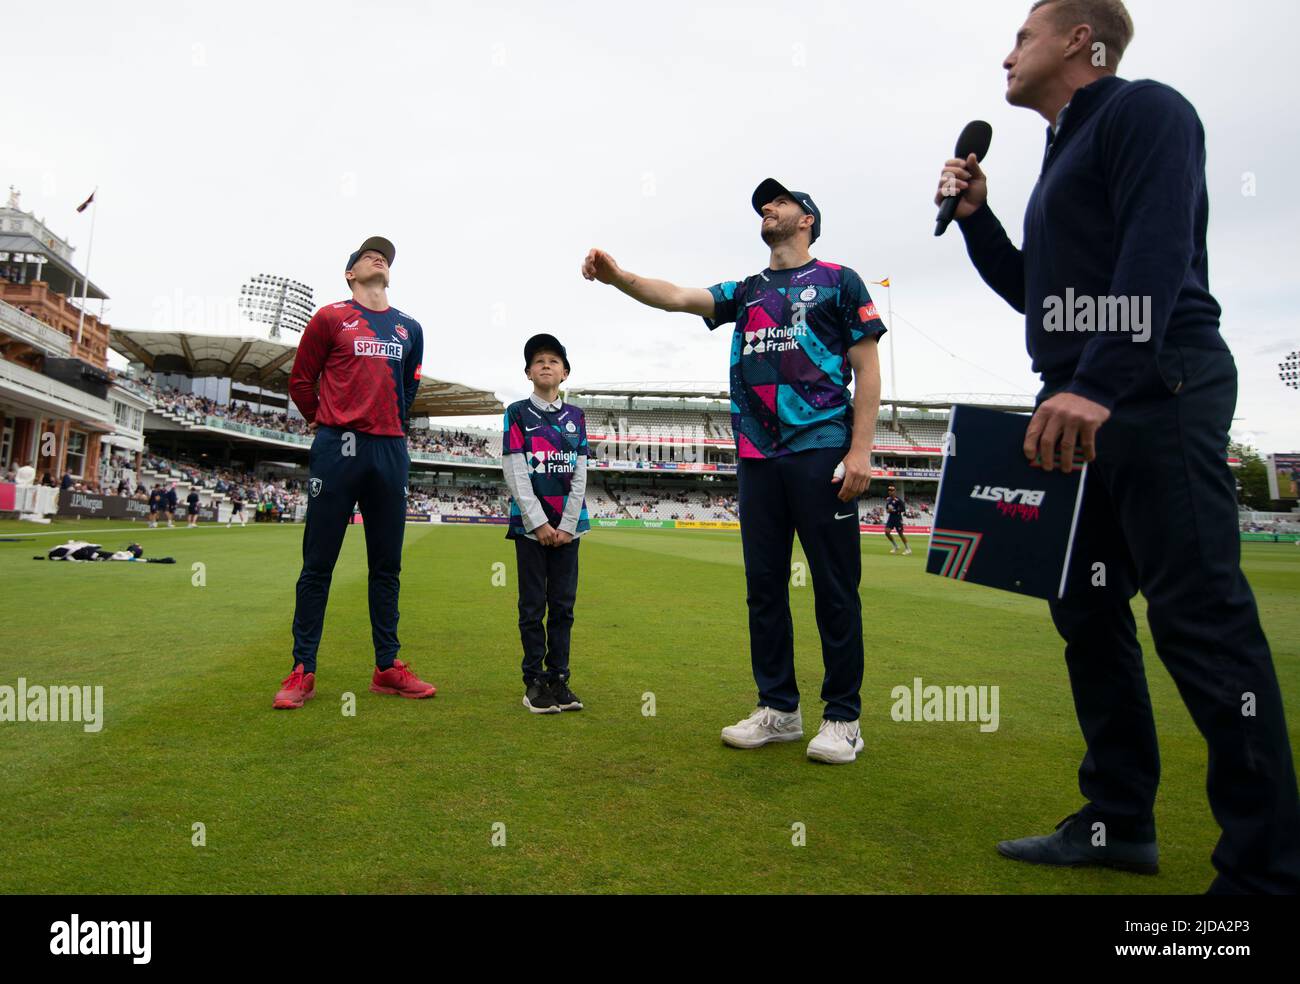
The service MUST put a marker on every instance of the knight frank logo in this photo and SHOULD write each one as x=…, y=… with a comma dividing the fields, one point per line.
x=774, y=339
x=1020, y=503
x=546, y=462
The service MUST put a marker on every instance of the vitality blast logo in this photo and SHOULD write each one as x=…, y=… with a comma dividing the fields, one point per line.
x=998, y=493
x=1021, y=503
x=77, y=939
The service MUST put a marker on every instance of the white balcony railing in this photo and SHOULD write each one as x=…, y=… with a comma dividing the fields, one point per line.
x=37, y=334
x=54, y=397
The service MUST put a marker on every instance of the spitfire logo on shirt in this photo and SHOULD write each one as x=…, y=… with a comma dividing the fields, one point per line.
x=374, y=348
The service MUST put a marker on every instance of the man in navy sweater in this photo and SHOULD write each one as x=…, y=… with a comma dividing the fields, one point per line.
x=1120, y=323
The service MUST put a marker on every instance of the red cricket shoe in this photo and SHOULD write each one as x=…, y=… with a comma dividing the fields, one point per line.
x=398, y=679
x=295, y=689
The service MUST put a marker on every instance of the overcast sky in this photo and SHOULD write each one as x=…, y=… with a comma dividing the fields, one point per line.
x=494, y=144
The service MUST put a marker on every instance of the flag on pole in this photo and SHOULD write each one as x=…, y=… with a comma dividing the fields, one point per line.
x=84, y=205
x=879, y=283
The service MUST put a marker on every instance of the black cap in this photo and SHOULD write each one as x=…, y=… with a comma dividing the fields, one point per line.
x=544, y=343
x=769, y=188
x=379, y=244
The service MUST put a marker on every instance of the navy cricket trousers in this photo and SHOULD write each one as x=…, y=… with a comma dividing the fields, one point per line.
x=780, y=497
x=352, y=468
x=548, y=585
x=1160, y=514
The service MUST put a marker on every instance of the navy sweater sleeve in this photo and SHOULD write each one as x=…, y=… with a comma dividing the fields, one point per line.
x=412, y=369
x=1154, y=152
x=999, y=262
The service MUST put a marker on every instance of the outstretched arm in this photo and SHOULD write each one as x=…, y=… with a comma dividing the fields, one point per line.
x=660, y=294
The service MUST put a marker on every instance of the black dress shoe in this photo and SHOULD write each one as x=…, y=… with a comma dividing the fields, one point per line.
x=1072, y=845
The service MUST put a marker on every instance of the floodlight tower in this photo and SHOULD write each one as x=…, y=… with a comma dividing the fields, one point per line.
x=1289, y=370
x=277, y=302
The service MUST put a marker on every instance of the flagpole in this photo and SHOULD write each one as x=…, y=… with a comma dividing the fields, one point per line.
x=85, y=279
x=889, y=325
x=893, y=378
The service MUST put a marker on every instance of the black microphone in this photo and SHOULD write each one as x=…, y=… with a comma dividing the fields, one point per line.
x=974, y=139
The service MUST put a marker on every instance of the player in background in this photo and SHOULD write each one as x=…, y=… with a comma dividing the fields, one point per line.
x=155, y=505
x=544, y=461
x=801, y=326
x=894, y=508
x=170, y=501
x=354, y=378
x=192, y=508
x=236, y=509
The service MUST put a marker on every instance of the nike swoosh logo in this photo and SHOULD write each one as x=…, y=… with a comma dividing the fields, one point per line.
x=752, y=303
x=532, y=428
x=845, y=516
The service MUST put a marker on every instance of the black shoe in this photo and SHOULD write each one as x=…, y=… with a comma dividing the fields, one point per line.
x=538, y=698
x=565, y=699
x=1072, y=845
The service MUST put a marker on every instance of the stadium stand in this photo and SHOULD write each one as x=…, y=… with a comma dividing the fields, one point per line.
x=610, y=500
x=191, y=409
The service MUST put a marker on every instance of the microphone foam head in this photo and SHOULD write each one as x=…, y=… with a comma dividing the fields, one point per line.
x=974, y=139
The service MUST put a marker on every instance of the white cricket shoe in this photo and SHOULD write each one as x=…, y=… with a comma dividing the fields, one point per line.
x=893, y=550
x=907, y=552
x=764, y=725
x=837, y=742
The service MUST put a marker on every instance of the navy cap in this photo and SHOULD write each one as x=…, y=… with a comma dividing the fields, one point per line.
x=769, y=188
x=379, y=244
x=544, y=343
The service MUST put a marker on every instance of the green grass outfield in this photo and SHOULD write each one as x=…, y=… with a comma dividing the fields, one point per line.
x=403, y=796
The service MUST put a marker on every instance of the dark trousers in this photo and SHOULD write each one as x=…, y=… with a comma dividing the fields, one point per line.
x=1160, y=513
x=780, y=497
x=351, y=468
x=548, y=585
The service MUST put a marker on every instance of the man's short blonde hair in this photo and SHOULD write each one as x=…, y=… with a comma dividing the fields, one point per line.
x=1111, y=25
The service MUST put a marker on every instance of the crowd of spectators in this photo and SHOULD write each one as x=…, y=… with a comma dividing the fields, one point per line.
x=451, y=442
x=1273, y=526
x=68, y=481
x=460, y=500
x=196, y=407
x=649, y=502
x=263, y=492
x=15, y=273
x=34, y=314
